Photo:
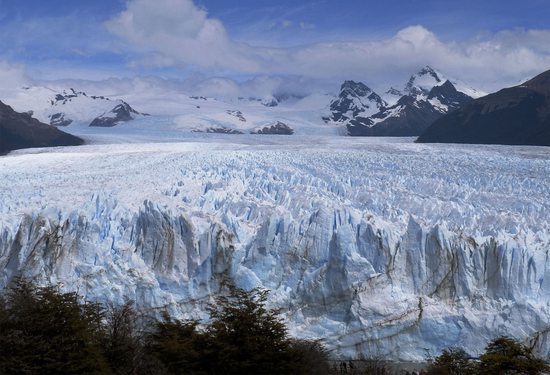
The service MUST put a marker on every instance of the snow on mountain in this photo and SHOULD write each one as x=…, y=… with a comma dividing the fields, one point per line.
x=375, y=246
x=357, y=110
x=427, y=78
x=426, y=97
x=68, y=107
x=392, y=96
x=355, y=100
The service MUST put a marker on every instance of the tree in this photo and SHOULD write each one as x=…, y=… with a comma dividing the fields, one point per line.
x=45, y=331
x=308, y=357
x=121, y=339
x=452, y=361
x=246, y=337
x=505, y=356
x=178, y=345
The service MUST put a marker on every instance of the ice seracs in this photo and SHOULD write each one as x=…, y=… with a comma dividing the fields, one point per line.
x=375, y=246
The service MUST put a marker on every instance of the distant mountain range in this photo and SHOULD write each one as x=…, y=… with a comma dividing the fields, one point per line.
x=71, y=107
x=429, y=105
x=518, y=115
x=427, y=96
x=20, y=130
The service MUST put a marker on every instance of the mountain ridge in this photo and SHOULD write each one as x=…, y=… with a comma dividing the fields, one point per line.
x=518, y=115
x=21, y=130
x=427, y=95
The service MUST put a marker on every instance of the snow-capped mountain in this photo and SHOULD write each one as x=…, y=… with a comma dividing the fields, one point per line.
x=426, y=96
x=427, y=78
x=69, y=107
x=356, y=100
x=173, y=110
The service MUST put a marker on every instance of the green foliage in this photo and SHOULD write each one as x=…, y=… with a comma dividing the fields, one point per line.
x=121, y=340
x=44, y=331
x=505, y=356
x=178, y=346
x=308, y=357
x=452, y=361
x=245, y=336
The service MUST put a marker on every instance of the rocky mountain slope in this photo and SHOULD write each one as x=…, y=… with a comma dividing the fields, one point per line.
x=21, y=130
x=427, y=96
x=515, y=116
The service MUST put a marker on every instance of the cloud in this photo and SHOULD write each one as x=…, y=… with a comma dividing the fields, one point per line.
x=179, y=33
x=182, y=32
x=12, y=77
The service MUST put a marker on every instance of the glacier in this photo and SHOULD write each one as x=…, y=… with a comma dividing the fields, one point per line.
x=379, y=247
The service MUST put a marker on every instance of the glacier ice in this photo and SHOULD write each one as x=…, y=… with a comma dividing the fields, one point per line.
x=378, y=247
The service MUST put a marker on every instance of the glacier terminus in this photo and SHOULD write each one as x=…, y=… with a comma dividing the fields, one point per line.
x=376, y=246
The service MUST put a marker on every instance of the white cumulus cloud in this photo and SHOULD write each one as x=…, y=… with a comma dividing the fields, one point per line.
x=182, y=32
x=179, y=33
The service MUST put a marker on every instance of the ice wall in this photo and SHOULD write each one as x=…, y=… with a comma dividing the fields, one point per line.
x=398, y=250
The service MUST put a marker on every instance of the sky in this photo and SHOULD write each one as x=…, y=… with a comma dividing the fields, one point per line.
x=314, y=44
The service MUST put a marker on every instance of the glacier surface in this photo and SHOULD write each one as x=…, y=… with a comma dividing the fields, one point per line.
x=379, y=247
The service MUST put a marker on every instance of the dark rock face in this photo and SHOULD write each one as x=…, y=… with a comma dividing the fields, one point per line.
x=223, y=131
x=405, y=119
x=270, y=103
x=447, y=95
x=59, y=119
x=121, y=113
x=279, y=128
x=514, y=116
x=237, y=114
x=20, y=130
x=220, y=130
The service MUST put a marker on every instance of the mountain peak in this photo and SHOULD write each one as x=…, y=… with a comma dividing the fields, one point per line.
x=354, y=88
x=540, y=83
x=423, y=81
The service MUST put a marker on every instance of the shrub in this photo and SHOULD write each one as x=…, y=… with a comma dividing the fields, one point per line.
x=44, y=331
x=452, y=361
x=505, y=355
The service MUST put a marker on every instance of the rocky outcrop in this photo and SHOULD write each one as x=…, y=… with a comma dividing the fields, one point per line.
x=278, y=128
x=218, y=130
x=58, y=119
x=20, y=130
x=121, y=113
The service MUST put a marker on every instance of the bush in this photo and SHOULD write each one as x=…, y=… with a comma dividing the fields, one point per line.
x=44, y=331
x=178, y=346
x=505, y=355
x=308, y=357
x=452, y=361
x=245, y=336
